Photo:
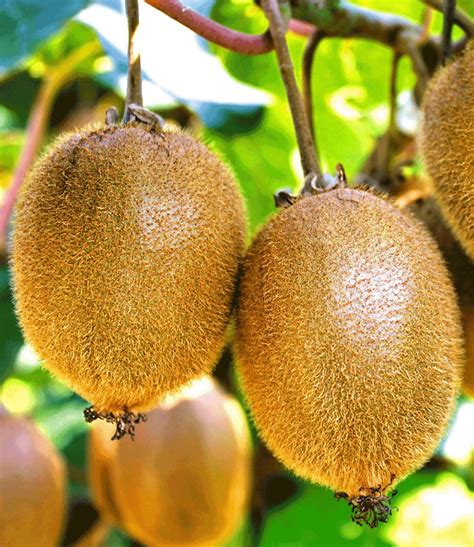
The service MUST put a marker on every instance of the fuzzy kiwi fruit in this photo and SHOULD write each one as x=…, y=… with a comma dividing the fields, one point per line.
x=186, y=479
x=127, y=241
x=348, y=342
x=32, y=485
x=446, y=143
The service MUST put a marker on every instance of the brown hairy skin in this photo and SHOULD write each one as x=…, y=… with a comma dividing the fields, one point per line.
x=126, y=247
x=349, y=343
x=446, y=143
x=32, y=485
x=185, y=480
x=462, y=272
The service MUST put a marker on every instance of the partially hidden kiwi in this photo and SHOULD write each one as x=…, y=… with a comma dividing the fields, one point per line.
x=349, y=343
x=185, y=480
x=417, y=196
x=32, y=485
x=127, y=241
x=446, y=143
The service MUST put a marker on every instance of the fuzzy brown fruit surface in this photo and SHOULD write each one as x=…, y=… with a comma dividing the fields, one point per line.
x=32, y=485
x=349, y=341
x=126, y=247
x=185, y=480
x=446, y=142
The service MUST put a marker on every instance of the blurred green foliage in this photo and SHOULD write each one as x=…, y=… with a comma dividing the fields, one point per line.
x=249, y=124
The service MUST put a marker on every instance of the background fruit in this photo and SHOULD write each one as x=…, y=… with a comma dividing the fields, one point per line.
x=101, y=455
x=416, y=196
x=32, y=485
x=186, y=478
x=446, y=142
x=126, y=247
x=349, y=342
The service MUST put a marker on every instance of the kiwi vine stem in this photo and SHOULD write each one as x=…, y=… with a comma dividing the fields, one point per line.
x=309, y=159
x=448, y=20
x=216, y=33
x=308, y=61
x=460, y=18
x=134, y=77
x=37, y=124
x=392, y=123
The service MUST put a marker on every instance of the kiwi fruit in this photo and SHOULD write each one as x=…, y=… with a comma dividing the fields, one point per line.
x=186, y=479
x=446, y=143
x=32, y=485
x=127, y=241
x=348, y=343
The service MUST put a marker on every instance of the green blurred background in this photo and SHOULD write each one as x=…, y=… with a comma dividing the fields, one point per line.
x=68, y=59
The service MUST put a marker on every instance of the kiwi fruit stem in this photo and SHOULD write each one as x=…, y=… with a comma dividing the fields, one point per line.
x=134, y=77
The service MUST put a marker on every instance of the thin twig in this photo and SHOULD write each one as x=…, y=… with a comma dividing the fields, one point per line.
x=216, y=33
x=308, y=60
x=425, y=27
x=461, y=19
x=134, y=78
x=408, y=45
x=449, y=10
x=302, y=28
x=309, y=160
x=392, y=125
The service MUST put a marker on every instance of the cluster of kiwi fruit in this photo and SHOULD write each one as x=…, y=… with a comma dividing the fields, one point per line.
x=128, y=244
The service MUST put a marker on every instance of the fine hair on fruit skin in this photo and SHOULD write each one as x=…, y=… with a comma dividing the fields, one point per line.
x=32, y=485
x=127, y=241
x=348, y=342
x=446, y=143
x=185, y=480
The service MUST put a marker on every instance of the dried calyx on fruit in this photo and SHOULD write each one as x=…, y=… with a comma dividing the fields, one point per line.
x=186, y=479
x=372, y=505
x=446, y=142
x=127, y=242
x=349, y=343
x=32, y=485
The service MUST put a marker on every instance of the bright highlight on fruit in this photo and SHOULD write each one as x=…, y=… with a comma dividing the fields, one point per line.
x=186, y=478
x=349, y=344
x=125, y=252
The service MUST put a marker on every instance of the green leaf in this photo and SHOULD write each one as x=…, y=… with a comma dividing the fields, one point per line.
x=24, y=24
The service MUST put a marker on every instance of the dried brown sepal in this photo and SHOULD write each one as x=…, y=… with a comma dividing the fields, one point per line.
x=138, y=113
x=372, y=505
x=313, y=184
x=124, y=422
